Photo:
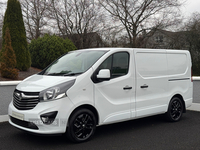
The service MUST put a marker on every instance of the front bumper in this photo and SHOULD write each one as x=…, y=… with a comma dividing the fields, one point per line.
x=30, y=120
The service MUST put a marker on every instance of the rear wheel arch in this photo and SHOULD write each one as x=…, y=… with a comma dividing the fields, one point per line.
x=182, y=100
x=175, y=109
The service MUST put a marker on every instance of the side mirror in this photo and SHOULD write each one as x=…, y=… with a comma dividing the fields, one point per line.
x=104, y=74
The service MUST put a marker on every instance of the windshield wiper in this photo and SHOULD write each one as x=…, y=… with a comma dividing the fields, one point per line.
x=72, y=74
x=55, y=74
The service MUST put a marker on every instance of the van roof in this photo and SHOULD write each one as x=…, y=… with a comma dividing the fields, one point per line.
x=118, y=48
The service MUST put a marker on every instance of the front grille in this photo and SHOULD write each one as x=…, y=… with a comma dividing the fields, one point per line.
x=25, y=124
x=25, y=100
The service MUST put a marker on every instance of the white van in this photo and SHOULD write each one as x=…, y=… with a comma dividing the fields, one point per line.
x=91, y=87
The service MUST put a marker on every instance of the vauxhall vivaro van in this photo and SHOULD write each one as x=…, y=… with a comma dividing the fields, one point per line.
x=91, y=87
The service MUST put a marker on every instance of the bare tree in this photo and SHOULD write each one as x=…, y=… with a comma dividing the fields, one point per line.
x=76, y=18
x=137, y=16
x=35, y=17
x=2, y=10
x=192, y=28
x=1, y=26
x=2, y=6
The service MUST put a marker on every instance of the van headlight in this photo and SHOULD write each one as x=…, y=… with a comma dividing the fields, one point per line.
x=56, y=92
x=53, y=93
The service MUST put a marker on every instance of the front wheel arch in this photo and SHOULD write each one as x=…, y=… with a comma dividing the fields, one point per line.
x=89, y=107
x=81, y=125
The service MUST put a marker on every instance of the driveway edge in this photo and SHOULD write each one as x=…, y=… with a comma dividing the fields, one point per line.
x=4, y=118
x=194, y=107
x=4, y=83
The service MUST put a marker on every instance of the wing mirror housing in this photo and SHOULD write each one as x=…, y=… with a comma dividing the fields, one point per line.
x=104, y=75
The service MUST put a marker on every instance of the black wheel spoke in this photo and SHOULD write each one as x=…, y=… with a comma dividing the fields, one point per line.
x=173, y=113
x=83, y=126
x=176, y=109
x=79, y=132
x=89, y=126
x=87, y=118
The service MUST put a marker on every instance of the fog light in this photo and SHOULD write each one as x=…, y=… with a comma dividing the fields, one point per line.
x=48, y=118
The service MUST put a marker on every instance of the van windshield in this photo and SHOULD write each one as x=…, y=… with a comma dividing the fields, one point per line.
x=73, y=63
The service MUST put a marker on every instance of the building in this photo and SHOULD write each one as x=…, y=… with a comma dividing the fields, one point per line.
x=167, y=40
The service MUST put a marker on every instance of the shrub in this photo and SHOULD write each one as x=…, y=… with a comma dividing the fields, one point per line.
x=14, y=21
x=8, y=62
x=46, y=49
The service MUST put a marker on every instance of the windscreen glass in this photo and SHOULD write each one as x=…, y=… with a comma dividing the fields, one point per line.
x=74, y=63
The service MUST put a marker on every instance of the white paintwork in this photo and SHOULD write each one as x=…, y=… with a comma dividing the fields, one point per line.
x=63, y=105
x=104, y=74
x=112, y=102
x=120, y=98
x=37, y=83
x=151, y=68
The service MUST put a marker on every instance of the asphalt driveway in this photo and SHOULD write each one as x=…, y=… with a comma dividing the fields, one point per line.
x=151, y=133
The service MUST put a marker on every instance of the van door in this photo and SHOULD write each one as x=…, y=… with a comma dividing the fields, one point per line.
x=113, y=97
x=152, y=82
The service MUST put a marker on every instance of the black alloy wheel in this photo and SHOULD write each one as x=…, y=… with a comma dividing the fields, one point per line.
x=82, y=125
x=175, y=110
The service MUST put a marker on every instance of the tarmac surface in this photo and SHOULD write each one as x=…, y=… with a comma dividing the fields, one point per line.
x=151, y=133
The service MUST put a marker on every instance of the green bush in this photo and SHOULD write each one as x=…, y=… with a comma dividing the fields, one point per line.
x=48, y=48
x=14, y=21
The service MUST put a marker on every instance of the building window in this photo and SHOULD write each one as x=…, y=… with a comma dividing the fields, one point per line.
x=159, y=39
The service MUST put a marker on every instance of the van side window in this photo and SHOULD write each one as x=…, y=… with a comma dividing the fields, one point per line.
x=118, y=64
x=107, y=64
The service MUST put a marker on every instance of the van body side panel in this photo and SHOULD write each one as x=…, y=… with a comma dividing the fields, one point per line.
x=152, y=82
x=81, y=93
x=179, y=71
x=112, y=102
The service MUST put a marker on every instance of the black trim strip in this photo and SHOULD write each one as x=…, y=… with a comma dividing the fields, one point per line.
x=25, y=124
x=179, y=79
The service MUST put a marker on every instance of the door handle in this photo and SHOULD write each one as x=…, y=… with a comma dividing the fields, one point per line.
x=144, y=86
x=127, y=88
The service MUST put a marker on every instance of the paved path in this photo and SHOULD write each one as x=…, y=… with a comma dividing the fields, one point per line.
x=5, y=98
x=196, y=91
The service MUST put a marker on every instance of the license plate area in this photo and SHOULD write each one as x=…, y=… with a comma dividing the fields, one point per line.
x=17, y=115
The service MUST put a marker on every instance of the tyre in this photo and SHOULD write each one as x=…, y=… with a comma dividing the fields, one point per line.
x=175, y=110
x=81, y=125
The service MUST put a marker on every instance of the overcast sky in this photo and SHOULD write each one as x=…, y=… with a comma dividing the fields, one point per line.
x=190, y=7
